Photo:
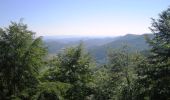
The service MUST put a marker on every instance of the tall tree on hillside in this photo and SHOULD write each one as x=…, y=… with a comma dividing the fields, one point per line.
x=157, y=73
x=21, y=55
x=75, y=68
x=121, y=70
x=161, y=42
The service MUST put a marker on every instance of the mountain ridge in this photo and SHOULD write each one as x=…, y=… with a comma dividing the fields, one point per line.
x=98, y=47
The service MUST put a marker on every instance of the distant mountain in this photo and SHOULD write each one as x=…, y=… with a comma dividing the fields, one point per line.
x=134, y=42
x=98, y=47
x=54, y=45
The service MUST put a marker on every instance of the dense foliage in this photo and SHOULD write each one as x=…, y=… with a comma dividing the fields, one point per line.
x=21, y=55
x=26, y=73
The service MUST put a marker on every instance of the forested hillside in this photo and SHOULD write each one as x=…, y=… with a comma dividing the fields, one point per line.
x=99, y=47
x=28, y=73
x=64, y=42
x=134, y=42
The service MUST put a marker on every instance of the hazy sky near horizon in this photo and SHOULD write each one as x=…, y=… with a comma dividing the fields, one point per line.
x=83, y=17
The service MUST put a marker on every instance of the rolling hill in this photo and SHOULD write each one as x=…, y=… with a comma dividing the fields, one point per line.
x=98, y=47
x=134, y=43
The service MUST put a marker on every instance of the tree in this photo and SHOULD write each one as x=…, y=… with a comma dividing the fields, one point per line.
x=156, y=70
x=75, y=69
x=103, y=83
x=50, y=87
x=122, y=64
x=161, y=42
x=72, y=66
x=21, y=56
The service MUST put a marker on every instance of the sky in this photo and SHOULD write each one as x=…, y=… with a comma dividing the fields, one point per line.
x=83, y=17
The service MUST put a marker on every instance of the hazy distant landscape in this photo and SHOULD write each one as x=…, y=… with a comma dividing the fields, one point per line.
x=97, y=46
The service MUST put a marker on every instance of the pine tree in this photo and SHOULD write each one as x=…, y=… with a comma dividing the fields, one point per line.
x=155, y=72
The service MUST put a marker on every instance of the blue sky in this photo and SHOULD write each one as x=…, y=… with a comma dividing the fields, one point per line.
x=83, y=17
